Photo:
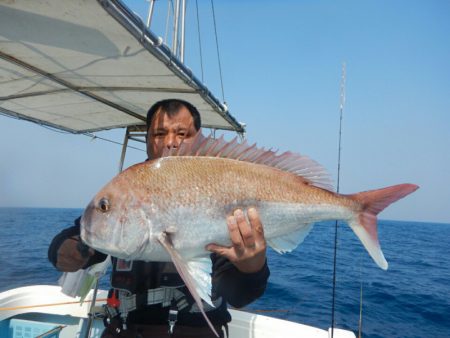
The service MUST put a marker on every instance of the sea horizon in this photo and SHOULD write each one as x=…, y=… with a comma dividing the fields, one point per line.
x=81, y=208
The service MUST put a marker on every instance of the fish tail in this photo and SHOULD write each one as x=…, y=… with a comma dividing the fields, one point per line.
x=365, y=224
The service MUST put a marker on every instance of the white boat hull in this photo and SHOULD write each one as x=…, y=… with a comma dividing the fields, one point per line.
x=35, y=307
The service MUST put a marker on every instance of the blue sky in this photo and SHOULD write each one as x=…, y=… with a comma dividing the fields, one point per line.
x=281, y=62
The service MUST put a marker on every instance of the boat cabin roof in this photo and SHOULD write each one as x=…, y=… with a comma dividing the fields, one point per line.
x=85, y=66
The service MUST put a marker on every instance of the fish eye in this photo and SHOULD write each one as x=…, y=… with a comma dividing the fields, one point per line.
x=103, y=205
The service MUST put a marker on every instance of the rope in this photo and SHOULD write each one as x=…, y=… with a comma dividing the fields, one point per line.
x=199, y=40
x=46, y=305
x=341, y=110
x=218, y=53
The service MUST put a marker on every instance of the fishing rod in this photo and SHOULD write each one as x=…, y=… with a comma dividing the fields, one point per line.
x=341, y=113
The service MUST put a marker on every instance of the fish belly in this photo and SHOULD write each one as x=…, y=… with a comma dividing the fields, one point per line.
x=191, y=230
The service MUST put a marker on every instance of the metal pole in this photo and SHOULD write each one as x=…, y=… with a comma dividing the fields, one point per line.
x=176, y=18
x=90, y=314
x=183, y=15
x=124, y=149
x=150, y=13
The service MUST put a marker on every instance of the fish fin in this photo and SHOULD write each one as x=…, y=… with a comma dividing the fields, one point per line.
x=200, y=269
x=365, y=225
x=287, y=243
x=188, y=277
x=305, y=168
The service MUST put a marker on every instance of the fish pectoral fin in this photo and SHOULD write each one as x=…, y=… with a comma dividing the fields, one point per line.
x=289, y=242
x=196, y=274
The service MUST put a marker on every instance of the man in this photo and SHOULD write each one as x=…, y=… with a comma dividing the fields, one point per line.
x=239, y=273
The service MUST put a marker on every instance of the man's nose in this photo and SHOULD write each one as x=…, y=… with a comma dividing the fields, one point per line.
x=171, y=141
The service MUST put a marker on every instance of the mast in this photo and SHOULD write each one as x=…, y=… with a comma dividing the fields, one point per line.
x=179, y=25
x=183, y=16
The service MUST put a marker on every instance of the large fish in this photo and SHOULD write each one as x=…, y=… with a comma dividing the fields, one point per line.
x=170, y=208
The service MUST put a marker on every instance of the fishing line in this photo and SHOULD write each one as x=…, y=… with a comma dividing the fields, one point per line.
x=360, y=297
x=341, y=111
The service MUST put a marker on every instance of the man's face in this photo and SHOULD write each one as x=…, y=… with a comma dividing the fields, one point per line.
x=169, y=132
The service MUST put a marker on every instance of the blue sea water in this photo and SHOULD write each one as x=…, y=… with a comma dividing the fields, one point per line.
x=410, y=299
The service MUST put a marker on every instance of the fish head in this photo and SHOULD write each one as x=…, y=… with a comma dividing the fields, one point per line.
x=115, y=223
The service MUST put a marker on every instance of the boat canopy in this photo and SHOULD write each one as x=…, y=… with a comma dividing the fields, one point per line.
x=84, y=66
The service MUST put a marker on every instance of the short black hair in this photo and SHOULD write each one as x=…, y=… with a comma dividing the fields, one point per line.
x=171, y=107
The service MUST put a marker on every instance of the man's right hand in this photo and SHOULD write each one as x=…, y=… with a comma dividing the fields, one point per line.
x=70, y=257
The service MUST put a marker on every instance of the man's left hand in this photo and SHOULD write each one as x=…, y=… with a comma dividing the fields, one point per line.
x=248, y=250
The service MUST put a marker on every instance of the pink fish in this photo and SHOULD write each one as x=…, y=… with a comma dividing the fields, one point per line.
x=170, y=208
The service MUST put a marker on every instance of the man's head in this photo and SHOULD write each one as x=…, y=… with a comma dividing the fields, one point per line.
x=169, y=122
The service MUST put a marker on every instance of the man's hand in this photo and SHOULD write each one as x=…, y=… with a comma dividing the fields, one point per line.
x=71, y=256
x=248, y=250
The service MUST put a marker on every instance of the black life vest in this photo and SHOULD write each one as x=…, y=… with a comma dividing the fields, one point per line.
x=138, y=279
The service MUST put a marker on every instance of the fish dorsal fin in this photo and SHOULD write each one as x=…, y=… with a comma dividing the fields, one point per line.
x=302, y=166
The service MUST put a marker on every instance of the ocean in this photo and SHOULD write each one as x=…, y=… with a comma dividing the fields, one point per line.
x=411, y=299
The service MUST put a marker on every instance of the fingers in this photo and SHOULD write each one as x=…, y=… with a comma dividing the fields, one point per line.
x=245, y=229
x=235, y=233
x=243, y=233
x=220, y=250
x=255, y=221
x=240, y=232
x=248, y=246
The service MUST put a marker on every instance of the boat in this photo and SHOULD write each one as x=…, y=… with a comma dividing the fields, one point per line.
x=44, y=311
x=88, y=66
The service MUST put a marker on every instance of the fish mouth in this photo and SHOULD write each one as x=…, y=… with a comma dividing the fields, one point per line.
x=90, y=234
x=85, y=228
x=85, y=234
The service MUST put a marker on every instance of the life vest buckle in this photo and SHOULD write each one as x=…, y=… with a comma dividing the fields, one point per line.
x=173, y=314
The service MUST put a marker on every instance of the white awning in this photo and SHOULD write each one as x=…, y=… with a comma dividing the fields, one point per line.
x=86, y=65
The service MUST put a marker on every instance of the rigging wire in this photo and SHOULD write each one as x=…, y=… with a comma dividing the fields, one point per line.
x=218, y=53
x=199, y=40
x=90, y=135
x=93, y=137
x=341, y=111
